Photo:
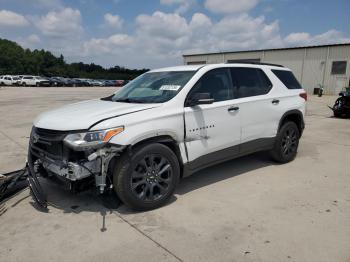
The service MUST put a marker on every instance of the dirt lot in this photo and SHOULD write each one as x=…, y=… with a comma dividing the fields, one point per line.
x=249, y=209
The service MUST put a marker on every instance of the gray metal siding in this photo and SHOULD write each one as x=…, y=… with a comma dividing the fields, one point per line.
x=311, y=65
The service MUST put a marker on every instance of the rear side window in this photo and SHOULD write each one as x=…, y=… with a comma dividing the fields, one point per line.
x=250, y=82
x=287, y=78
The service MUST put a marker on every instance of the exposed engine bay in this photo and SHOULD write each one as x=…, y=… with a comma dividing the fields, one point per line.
x=50, y=156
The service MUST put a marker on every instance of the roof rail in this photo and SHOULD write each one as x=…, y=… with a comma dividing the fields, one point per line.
x=253, y=63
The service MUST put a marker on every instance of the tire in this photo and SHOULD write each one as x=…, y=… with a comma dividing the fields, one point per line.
x=37, y=84
x=148, y=178
x=286, y=144
x=24, y=84
x=337, y=115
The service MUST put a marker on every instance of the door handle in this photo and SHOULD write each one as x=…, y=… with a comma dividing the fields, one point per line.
x=233, y=109
x=275, y=102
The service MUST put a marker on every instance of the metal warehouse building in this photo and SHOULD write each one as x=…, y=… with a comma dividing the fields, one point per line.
x=314, y=66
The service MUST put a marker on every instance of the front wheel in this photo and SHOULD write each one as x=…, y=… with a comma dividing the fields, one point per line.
x=148, y=178
x=286, y=144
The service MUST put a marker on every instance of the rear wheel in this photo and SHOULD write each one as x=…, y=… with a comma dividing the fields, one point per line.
x=287, y=142
x=148, y=179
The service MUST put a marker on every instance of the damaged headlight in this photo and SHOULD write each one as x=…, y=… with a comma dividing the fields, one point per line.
x=91, y=139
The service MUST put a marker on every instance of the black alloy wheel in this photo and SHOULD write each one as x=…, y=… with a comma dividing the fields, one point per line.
x=146, y=179
x=286, y=143
x=151, y=177
x=289, y=141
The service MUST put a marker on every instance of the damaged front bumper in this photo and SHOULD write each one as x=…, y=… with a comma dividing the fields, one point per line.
x=48, y=156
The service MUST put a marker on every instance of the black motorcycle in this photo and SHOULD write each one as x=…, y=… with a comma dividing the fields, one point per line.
x=341, y=106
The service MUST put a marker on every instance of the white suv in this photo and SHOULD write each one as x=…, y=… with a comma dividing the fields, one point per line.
x=34, y=81
x=9, y=80
x=167, y=124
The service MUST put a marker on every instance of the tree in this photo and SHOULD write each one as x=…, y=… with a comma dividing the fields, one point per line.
x=15, y=60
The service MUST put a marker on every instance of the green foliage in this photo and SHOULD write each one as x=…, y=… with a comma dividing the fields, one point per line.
x=15, y=60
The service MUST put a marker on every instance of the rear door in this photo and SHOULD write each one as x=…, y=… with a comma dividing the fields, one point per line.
x=257, y=108
x=212, y=131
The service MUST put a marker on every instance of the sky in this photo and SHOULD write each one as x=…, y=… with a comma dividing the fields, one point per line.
x=156, y=33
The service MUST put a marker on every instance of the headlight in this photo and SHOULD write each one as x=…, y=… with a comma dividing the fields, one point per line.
x=80, y=141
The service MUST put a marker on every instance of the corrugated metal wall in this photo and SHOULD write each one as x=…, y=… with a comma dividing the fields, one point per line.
x=311, y=65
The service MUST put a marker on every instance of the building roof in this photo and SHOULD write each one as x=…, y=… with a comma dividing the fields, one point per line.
x=271, y=49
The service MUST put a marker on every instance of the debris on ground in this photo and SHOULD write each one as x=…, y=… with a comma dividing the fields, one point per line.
x=12, y=182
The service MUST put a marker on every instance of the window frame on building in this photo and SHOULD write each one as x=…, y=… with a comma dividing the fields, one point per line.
x=339, y=67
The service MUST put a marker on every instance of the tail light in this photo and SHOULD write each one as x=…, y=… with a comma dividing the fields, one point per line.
x=303, y=95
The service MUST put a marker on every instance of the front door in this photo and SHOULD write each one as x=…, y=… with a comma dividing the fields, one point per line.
x=212, y=131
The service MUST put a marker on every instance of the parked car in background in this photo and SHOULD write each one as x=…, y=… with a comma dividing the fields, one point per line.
x=34, y=81
x=94, y=82
x=109, y=83
x=89, y=82
x=56, y=81
x=100, y=82
x=66, y=81
x=78, y=82
x=27, y=80
x=9, y=80
x=84, y=81
x=119, y=82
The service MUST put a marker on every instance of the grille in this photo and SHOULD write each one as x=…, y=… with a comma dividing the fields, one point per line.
x=50, y=141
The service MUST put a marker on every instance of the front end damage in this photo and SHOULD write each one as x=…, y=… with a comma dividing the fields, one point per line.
x=50, y=156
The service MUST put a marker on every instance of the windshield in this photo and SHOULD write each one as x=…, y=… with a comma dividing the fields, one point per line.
x=156, y=87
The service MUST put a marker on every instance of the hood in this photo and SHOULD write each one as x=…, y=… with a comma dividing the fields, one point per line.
x=83, y=115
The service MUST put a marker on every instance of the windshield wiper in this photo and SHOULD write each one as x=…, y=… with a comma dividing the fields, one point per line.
x=128, y=100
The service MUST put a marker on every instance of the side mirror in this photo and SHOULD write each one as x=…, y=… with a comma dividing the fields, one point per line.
x=200, y=99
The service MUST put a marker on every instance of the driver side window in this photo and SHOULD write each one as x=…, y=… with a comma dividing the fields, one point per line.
x=216, y=83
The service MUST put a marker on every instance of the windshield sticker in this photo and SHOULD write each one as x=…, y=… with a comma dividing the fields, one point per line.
x=170, y=87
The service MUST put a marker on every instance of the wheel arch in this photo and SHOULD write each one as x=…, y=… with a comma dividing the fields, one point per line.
x=295, y=116
x=166, y=140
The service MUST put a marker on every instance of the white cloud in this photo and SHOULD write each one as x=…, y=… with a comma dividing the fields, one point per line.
x=329, y=37
x=183, y=5
x=113, y=20
x=230, y=6
x=9, y=18
x=107, y=45
x=33, y=39
x=161, y=25
x=161, y=39
x=30, y=41
x=172, y=34
x=62, y=23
